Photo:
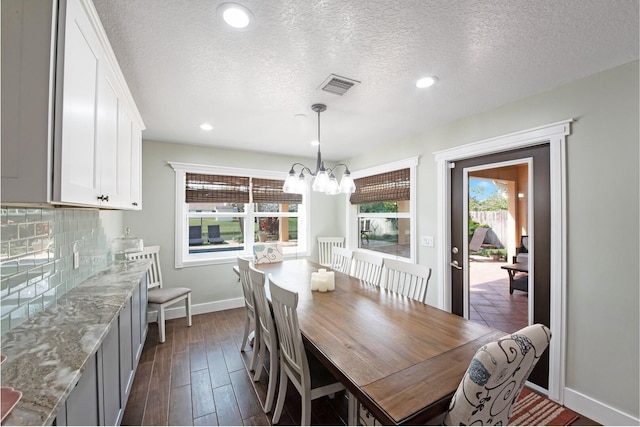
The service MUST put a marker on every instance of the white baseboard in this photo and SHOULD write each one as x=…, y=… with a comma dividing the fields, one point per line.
x=208, y=307
x=597, y=411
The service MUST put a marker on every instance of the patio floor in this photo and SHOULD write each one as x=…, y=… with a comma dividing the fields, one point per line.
x=490, y=301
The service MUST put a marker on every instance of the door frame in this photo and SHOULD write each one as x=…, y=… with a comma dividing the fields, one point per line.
x=555, y=135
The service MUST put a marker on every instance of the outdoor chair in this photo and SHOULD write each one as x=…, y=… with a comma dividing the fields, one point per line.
x=495, y=378
x=213, y=234
x=160, y=297
x=195, y=235
x=365, y=229
x=477, y=239
x=522, y=252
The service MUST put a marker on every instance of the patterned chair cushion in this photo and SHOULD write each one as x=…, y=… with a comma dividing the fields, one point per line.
x=495, y=378
x=267, y=253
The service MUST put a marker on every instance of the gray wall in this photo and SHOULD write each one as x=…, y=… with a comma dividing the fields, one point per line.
x=156, y=222
x=603, y=218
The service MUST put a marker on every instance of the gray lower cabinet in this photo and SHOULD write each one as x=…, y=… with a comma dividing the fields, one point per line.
x=144, y=324
x=101, y=394
x=82, y=405
x=127, y=360
x=112, y=397
x=136, y=325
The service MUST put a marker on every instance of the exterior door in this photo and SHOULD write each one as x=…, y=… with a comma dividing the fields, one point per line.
x=540, y=271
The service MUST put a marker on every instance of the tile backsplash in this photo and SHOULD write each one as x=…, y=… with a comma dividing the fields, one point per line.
x=36, y=257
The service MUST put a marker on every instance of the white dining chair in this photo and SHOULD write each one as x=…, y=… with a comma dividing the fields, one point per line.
x=250, y=312
x=341, y=260
x=308, y=375
x=406, y=278
x=367, y=267
x=325, y=246
x=268, y=336
x=159, y=297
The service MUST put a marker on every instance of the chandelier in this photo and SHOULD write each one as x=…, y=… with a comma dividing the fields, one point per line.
x=324, y=179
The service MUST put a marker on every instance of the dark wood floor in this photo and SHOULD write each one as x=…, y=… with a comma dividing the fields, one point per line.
x=198, y=376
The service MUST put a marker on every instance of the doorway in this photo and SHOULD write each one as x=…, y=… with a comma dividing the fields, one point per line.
x=554, y=135
x=498, y=218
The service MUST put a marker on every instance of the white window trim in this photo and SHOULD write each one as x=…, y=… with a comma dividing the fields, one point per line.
x=184, y=259
x=352, y=210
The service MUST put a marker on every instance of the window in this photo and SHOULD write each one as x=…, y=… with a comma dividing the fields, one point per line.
x=222, y=212
x=382, y=209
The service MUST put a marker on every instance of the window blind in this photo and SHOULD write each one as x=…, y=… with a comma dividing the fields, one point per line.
x=202, y=188
x=270, y=191
x=394, y=185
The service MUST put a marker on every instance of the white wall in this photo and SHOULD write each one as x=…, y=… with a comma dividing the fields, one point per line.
x=156, y=222
x=603, y=324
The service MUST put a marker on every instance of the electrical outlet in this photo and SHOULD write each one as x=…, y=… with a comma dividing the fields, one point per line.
x=427, y=241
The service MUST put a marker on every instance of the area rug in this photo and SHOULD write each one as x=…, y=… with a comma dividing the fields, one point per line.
x=532, y=409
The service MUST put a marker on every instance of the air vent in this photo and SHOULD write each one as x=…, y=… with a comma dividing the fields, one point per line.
x=337, y=84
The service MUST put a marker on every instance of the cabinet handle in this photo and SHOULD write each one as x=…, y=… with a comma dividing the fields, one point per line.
x=135, y=203
x=103, y=198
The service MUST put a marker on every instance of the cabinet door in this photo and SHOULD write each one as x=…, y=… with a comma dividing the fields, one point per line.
x=82, y=404
x=144, y=298
x=111, y=376
x=126, y=351
x=125, y=159
x=136, y=167
x=76, y=138
x=136, y=326
x=107, y=141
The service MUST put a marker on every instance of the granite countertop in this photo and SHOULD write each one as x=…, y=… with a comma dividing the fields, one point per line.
x=47, y=354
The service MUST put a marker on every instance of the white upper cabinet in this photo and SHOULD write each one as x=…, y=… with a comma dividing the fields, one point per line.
x=136, y=167
x=81, y=93
x=93, y=128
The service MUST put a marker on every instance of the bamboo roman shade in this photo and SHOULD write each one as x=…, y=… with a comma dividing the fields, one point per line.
x=270, y=191
x=395, y=185
x=202, y=188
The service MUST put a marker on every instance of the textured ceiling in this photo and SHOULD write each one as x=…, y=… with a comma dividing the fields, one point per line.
x=184, y=66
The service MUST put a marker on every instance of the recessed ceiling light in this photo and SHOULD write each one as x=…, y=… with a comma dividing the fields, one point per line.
x=235, y=15
x=206, y=126
x=315, y=142
x=426, y=82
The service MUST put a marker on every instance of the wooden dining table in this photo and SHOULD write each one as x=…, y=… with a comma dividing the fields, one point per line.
x=402, y=359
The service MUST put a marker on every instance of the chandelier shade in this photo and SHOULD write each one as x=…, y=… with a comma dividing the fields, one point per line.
x=324, y=180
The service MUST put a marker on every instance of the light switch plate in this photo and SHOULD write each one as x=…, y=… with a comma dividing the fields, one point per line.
x=76, y=260
x=427, y=241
